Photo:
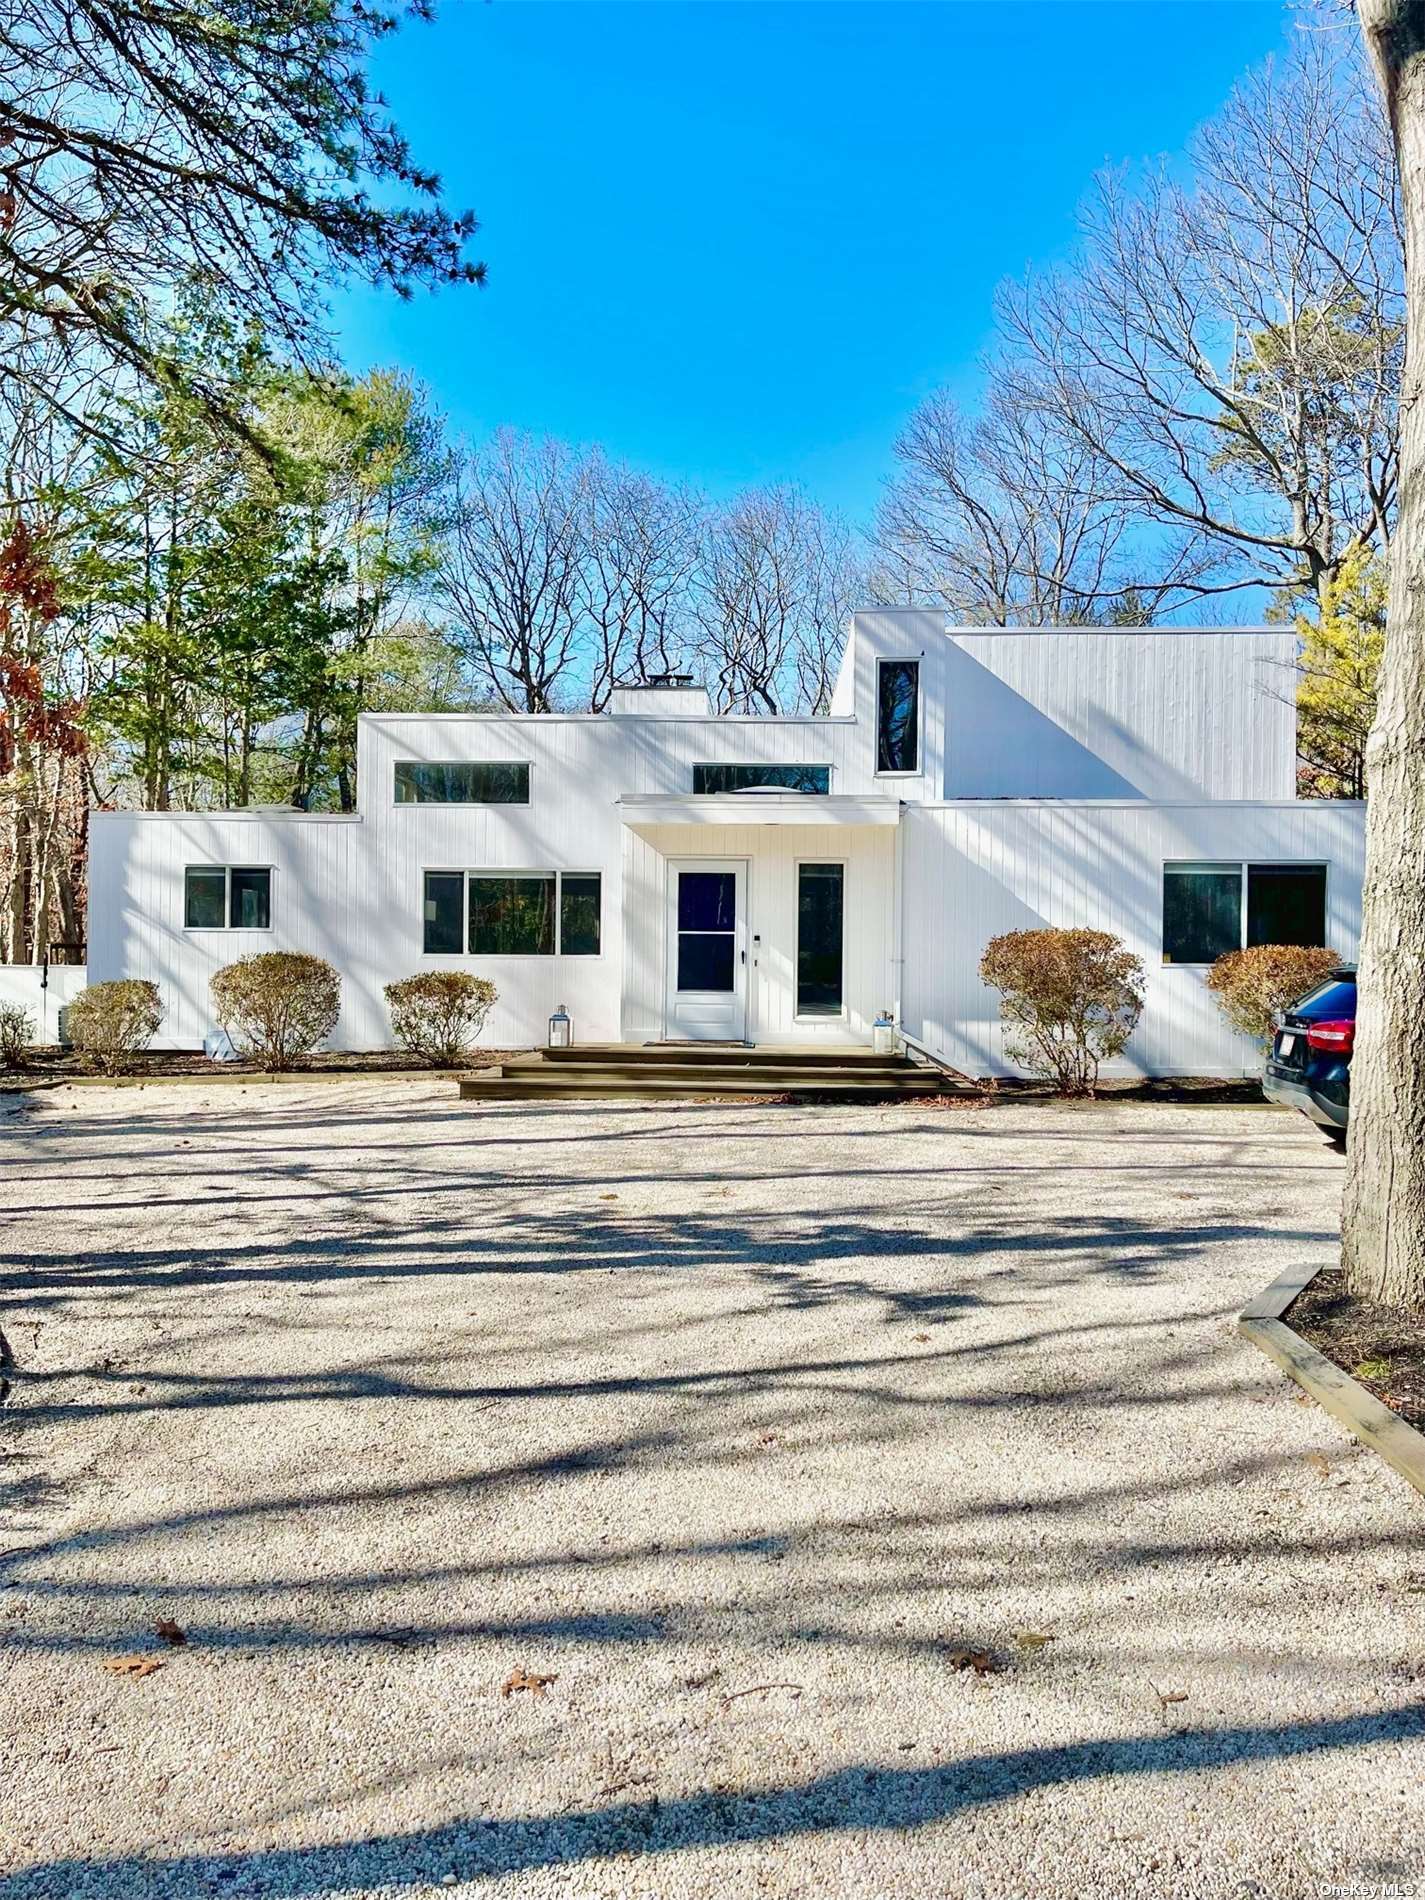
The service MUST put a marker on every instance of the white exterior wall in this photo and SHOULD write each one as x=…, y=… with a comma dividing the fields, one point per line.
x=1092, y=712
x=974, y=870
x=1169, y=715
x=320, y=904
x=772, y=853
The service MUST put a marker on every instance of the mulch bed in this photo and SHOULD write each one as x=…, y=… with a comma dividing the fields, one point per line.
x=55, y=1064
x=1380, y=1346
x=1206, y=1090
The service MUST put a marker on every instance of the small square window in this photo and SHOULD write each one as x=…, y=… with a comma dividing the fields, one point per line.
x=205, y=897
x=1202, y=911
x=1286, y=903
x=250, y=900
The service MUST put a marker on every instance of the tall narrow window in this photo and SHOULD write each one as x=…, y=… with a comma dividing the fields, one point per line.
x=442, y=913
x=820, y=935
x=898, y=716
x=579, y=913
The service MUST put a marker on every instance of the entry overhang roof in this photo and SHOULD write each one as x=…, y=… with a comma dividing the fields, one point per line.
x=756, y=808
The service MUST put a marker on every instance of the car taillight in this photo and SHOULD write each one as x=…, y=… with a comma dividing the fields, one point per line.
x=1332, y=1038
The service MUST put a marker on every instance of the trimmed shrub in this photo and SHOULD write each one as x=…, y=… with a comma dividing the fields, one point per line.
x=438, y=1014
x=277, y=1005
x=17, y=1032
x=1069, y=999
x=113, y=1022
x=1252, y=985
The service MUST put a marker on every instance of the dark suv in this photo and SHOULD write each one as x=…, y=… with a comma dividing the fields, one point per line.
x=1310, y=1062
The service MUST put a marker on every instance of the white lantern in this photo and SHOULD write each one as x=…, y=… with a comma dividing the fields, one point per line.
x=883, y=1035
x=561, y=1030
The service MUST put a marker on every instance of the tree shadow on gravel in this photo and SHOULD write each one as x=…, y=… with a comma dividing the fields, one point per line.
x=870, y=1799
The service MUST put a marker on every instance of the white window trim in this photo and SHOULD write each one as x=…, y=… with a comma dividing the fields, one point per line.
x=818, y=1016
x=917, y=660
x=464, y=873
x=462, y=804
x=228, y=926
x=1242, y=866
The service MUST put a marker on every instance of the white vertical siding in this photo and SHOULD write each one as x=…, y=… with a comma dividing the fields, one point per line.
x=973, y=871
x=772, y=853
x=1151, y=716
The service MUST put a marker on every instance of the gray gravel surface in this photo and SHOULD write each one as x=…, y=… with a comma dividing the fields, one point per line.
x=738, y=1422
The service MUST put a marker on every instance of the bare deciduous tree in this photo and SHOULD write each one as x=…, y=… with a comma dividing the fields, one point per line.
x=512, y=573
x=641, y=546
x=775, y=580
x=1383, y=1215
x=1008, y=519
x=1231, y=351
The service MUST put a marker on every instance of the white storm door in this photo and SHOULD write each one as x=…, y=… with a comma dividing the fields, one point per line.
x=707, y=949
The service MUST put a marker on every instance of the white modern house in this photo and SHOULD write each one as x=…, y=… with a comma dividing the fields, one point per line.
x=669, y=873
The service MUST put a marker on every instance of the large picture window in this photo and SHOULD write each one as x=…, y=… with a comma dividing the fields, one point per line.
x=462, y=782
x=711, y=779
x=1209, y=909
x=821, y=905
x=898, y=715
x=227, y=897
x=512, y=914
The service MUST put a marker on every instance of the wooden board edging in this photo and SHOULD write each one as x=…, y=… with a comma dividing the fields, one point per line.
x=32, y=1084
x=1362, y=1414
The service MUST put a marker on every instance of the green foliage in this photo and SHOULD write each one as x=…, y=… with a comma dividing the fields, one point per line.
x=113, y=1022
x=17, y=1032
x=245, y=608
x=1251, y=986
x=278, y=1005
x=438, y=1014
x=238, y=143
x=1339, y=667
x=1069, y=1000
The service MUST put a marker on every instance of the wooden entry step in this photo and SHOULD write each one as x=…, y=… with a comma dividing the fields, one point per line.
x=669, y=1071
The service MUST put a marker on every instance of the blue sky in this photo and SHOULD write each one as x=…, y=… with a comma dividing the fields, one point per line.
x=738, y=242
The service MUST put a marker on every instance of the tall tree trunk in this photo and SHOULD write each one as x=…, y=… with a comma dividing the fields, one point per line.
x=1383, y=1217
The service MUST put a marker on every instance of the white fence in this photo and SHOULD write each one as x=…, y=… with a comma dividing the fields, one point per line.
x=25, y=984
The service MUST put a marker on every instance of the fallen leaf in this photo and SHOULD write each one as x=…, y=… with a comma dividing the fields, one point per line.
x=170, y=1632
x=921, y=1337
x=523, y=1678
x=1166, y=1696
x=608, y=1197
x=1033, y=1639
x=132, y=1665
x=1319, y=1463
x=982, y=1661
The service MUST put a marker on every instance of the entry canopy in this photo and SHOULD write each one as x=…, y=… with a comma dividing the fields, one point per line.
x=642, y=809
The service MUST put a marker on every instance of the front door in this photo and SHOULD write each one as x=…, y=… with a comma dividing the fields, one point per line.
x=707, y=950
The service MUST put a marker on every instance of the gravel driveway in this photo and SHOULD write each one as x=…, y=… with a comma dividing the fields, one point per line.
x=738, y=1423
